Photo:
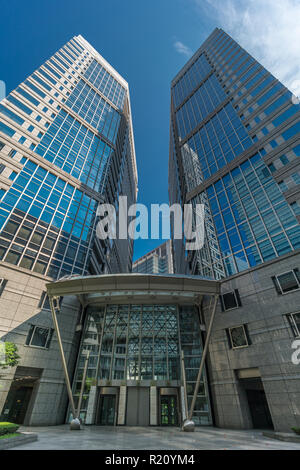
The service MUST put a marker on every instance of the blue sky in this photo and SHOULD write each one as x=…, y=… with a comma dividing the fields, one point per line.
x=147, y=42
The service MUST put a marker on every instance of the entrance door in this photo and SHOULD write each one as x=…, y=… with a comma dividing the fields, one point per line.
x=138, y=404
x=107, y=410
x=168, y=410
x=259, y=409
x=18, y=405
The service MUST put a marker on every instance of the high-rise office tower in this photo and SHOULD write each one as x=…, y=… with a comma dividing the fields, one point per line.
x=242, y=124
x=66, y=145
x=235, y=147
x=157, y=261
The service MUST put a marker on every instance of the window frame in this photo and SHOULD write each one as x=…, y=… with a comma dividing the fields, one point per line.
x=237, y=299
x=3, y=283
x=44, y=299
x=245, y=334
x=48, y=340
x=279, y=285
x=294, y=327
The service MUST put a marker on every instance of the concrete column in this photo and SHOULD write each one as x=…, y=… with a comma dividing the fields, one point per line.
x=91, y=409
x=122, y=405
x=184, y=412
x=153, y=406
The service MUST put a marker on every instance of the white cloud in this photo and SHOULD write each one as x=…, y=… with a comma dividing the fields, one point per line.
x=267, y=29
x=182, y=49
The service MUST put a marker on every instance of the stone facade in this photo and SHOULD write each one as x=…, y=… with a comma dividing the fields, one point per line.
x=18, y=310
x=270, y=352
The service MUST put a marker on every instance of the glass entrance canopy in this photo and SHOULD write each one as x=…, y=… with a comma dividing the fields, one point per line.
x=135, y=329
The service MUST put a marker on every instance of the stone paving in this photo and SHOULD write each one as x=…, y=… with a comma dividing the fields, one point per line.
x=157, y=438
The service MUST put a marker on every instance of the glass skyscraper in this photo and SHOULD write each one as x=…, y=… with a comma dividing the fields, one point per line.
x=235, y=148
x=236, y=128
x=66, y=146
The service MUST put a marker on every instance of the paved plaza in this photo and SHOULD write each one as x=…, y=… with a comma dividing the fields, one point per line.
x=137, y=438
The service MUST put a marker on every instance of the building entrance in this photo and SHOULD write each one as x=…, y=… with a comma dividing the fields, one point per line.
x=137, y=413
x=168, y=410
x=259, y=409
x=20, y=398
x=107, y=409
x=257, y=402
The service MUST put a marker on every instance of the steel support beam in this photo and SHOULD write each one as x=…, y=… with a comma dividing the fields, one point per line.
x=204, y=353
x=63, y=359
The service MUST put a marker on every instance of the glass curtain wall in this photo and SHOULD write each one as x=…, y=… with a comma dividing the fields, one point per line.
x=142, y=342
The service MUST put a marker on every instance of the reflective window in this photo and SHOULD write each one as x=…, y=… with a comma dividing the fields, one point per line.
x=192, y=77
x=104, y=82
x=287, y=282
x=39, y=337
x=294, y=320
x=238, y=337
x=142, y=342
x=253, y=221
x=230, y=300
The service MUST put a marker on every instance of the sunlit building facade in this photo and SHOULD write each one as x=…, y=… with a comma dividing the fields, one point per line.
x=236, y=129
x=66, y=145
x=157, y=261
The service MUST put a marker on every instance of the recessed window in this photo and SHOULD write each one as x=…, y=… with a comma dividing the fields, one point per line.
x=238, y=337
x=44, y=301
x=230, y=300
x=287, y=282
x=2, y=145
x=24, y=233
x=12, y=153
x=272, y=167
x=11, y=227
x=39, y=337
x=27, y=262
x=37, y=238
x=12, y=257
x=49, y=243
x=294, y=321
x=13, y=175
x=2, y=284
x=40, y=267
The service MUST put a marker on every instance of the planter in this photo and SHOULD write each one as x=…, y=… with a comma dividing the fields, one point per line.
x=19, y=440
x=296, y=431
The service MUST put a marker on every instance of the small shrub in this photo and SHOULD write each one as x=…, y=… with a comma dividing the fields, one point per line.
x=8, y=428
x=296, y=430
x=11, y=356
